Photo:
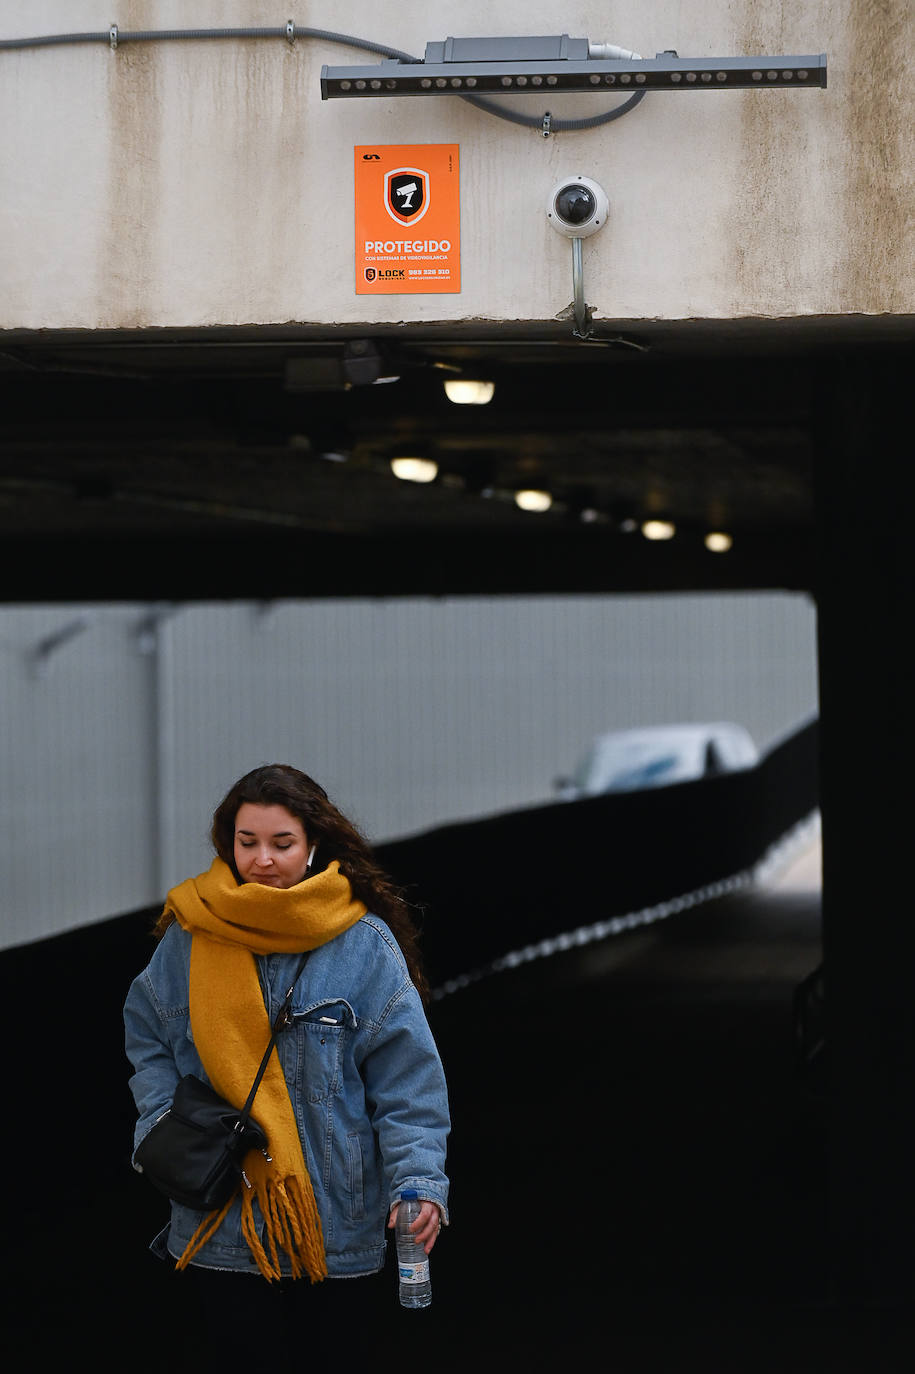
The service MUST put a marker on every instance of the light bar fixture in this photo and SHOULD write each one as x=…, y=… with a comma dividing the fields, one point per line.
x=528, y=66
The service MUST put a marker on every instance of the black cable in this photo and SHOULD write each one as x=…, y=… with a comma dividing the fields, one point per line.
x=556, y=126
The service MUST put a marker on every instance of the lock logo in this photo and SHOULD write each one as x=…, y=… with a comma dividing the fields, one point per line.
x=406, y=194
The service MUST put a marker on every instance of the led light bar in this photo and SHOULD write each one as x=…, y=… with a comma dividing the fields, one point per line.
x=661, y=73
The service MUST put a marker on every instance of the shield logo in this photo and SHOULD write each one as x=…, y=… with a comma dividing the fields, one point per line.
x=370, y=274
x=406, y=194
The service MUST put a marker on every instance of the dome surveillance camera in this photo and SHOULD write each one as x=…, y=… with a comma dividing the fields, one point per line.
x=577, y=207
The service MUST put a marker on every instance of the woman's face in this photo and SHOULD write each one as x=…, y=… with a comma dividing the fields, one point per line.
x=271, y=846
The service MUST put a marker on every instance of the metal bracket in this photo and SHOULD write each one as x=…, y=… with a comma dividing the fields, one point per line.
x=40, y=656
x=582, y=328
x=113, y=37
x=546, y=127
x=290, y=31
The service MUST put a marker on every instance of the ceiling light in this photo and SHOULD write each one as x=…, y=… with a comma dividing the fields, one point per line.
x=533, y=500
x=464, y=392
x=659, y=529
x=507, y=66
x=414, y=469
x=718, y=542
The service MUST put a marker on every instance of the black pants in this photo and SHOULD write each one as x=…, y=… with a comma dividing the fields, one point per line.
x=251, y=1325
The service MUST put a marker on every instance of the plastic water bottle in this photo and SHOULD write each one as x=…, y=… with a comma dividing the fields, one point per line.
x=412, y=1260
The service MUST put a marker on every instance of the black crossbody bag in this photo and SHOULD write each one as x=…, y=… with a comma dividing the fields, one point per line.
x=195, y=1152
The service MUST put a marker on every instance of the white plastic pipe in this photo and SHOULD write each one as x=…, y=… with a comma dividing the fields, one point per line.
x=611, y=53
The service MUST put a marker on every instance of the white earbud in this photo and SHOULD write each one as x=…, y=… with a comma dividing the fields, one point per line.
x=311, y=855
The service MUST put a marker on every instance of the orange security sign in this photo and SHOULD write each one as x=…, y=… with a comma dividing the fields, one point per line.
x=408, y=219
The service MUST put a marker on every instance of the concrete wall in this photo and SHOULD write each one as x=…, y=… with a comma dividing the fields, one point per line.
x=199, y=183
x=119, y=733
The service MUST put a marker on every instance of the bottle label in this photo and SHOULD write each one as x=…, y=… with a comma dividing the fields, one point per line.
x=414, y=1273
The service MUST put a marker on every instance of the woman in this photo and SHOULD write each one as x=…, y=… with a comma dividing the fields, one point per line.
x=353, y=1102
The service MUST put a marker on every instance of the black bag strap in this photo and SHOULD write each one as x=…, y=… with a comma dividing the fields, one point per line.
x=282, y=1021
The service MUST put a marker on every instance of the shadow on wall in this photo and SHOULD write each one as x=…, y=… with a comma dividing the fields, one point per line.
x=491, y=886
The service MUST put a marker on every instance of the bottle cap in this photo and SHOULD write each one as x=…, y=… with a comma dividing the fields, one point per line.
x=408, y=1194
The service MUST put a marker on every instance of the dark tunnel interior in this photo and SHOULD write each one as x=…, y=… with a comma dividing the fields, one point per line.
x=639, y=1153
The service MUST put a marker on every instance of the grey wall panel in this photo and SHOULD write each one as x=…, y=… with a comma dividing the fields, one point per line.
x=417, y=712
x=74, y=763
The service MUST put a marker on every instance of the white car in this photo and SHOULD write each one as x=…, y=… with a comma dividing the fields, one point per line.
x=657, y=755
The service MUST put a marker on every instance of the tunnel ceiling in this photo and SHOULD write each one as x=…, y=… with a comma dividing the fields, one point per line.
x=230, y=463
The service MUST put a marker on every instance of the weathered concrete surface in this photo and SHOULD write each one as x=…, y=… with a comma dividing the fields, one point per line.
x=197, y=183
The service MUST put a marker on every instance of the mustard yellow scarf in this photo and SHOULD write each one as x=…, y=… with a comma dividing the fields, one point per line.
x=231, y=1029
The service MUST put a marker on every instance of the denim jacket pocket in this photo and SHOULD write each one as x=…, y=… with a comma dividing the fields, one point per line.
x=321, y=1031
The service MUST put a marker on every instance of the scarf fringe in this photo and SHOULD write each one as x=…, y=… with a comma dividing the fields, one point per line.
x=292, y=1223
x=207, y=1228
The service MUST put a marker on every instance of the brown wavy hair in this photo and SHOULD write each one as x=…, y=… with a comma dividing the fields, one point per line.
x=279, y=784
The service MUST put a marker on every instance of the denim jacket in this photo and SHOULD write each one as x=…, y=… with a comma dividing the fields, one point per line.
x=364, y=1076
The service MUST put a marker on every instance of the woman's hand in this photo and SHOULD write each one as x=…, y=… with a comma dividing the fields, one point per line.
x=426, y=1226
